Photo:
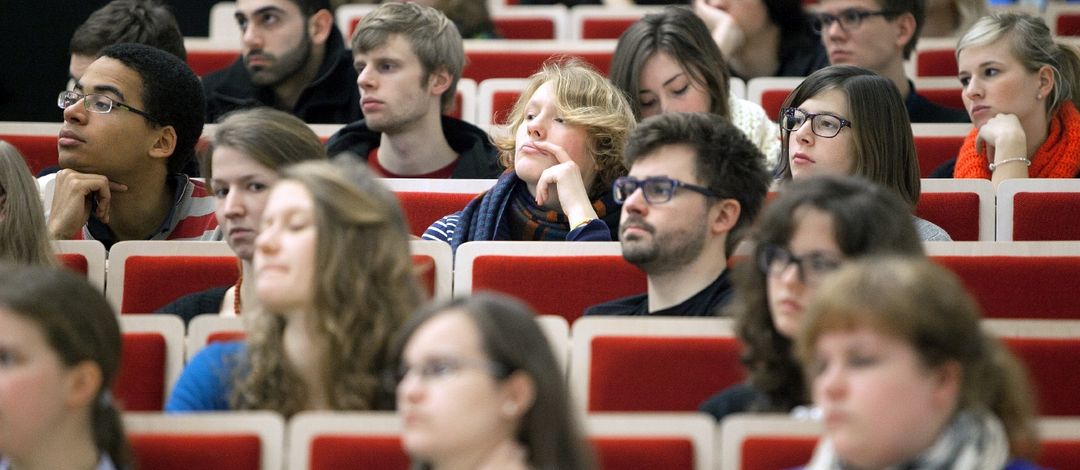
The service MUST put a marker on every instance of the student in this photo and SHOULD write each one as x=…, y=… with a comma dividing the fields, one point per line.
x=879, y=35
x=568, y=129
x=844, y=120
x=666, y=62
x=59, y=354
x=763, y=38
x=334, y=279
x=293, y=59
x=147, y=22
x=811, y=229
x=478, y=387
x=1020, y=88
x=904, y=376
x=409, y=59
x=249, y=149
x=23, y=238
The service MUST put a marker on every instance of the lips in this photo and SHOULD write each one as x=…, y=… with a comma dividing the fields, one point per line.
x=634, y=224
x=68, y=138
x=258, y=60
x=370, y=103
x=802, y=159
x=838, y=55
x=531, y=148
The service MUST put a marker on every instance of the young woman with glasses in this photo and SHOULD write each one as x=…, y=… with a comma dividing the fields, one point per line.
x=811, y=229
x=478, y=387
x=846, y=120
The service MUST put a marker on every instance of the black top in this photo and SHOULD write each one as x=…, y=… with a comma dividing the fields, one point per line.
x=705, y=303
x=477, y=157
x=921, y=109
x=332, y=98
x=734, y=399
x=801, y=55
x=198, y=303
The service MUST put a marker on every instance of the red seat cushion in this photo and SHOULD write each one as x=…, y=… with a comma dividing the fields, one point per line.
x=39, y=151
x=525, y=28
x=366, y=452
x=1020, y=286
x=644, y=453
x=1042, y=216
x=936, y=63
x=605, y=28
x=140, y=384
x=424, y=208
x=1068, y=24
x=74, y=262
x=932, y=151
x=947, y=97
x=151, y=282
x=202, y=451
x=660, y=373
x=1059, y=453
x=204, y=62
x=770, y=453
x=1054, y=368
x=563, y=286
x=957, y=213
x=482, y=65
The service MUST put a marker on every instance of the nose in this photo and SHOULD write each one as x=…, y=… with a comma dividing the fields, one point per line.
x=805, y=132
x=830, y=384
x=410, y=389
x=251, y=37
x=76, y=112
x=789, y=276
x=536, y=128
x=973, y=89
x=266, y=242
x=234, y=204
x=834, y=30
x=365, y=79
x=635, y=203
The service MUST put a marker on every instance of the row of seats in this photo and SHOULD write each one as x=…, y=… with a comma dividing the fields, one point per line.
x=372, y=441
x=612, y=364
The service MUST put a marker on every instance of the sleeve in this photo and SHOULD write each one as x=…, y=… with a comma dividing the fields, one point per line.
x=207, y=380
x=594, y=231
x=442, y=229
x=734, y=399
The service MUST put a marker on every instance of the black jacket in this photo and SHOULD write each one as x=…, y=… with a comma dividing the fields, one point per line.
x=332, y=98
x=477, y=157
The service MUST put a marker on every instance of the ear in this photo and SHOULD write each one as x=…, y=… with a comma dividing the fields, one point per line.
x=905, y=29
x=83, y=381
x=319, y=26
x=519, y=392
x=1046, y=81
x=950, y=376
x=439, y=81
x=165, y=143
x=723, y=215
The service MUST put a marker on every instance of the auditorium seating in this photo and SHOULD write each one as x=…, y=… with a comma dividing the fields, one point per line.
x=1038, y=210
x=554, y=278
x=146, y=275
x=653, y=441
x=433, y=264
x=1060, y=439
x=963, y=207
x=934, y=57
x=651, y=364
x=36, y=141
x=210, y=328
x=239, y=440
x=766, y=441
x=937, y=143
x=1051, y=352
x=495, y=98
x=770, y=92
x=426, y=200
x=604, y=22
x=1063, y=18
x=85, y=257
x=492, y=58
x=152, y=355
x=330, y=441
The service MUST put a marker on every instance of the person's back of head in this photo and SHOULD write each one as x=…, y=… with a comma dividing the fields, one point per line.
x=23, y=238
x=434, y=39
x=726, y=162
x=271, y=137
x=147, y=22
x=172, y=95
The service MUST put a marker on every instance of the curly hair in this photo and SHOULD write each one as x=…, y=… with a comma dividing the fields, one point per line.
x=587, y=99
x=363, y=292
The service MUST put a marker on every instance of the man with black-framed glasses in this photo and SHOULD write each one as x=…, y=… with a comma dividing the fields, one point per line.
x=131, y=123
x=695, y=183
x=879, y=35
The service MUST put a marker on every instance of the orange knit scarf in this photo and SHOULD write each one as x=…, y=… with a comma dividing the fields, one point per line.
x=1057, y=157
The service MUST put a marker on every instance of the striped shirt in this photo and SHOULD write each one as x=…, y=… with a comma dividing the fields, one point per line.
x=191, y=217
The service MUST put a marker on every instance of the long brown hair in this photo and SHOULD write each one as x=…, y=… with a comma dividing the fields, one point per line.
x=23, y=237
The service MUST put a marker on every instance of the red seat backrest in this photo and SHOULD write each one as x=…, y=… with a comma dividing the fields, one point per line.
x=772, y=452
x=933, y=150
x=502, y=104
x=947, y=97
x=639, y=373
x=605, y=28
x=74, y=262
x=643, y=453
x=204, y=62
x=772, y=100
x=1054, y=367
x=39, y=151
x=424, y=208
x=1068, y=24
x=1059, y=453
x=224, y=451
x=563, y=285
x=151, y=282
x=484, y=64
x=525, y=28
x=225, y=336
x=1042, y=216
x=936, y=63
x=956, y=212
x=373, y=452
x=140, y=384
x=1020, y=286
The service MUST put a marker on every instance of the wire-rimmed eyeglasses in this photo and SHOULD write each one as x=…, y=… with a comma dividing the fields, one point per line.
x=97, y=103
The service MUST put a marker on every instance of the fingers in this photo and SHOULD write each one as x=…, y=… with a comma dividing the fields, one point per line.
x=71, y=200
x=556, y=151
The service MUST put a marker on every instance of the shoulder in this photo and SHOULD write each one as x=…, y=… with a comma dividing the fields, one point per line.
x=929, y=231
x=190, y=305
x=734, y=399
x=442, y=229
x=355, y=138
x=206, y=381
x=632, y=305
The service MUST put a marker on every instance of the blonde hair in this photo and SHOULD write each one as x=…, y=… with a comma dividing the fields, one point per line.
x=23, y=237
x=363, y=292
x=925, y=305
x=583, y=98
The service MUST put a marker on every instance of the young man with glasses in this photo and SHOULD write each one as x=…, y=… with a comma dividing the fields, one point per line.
x=130, y=124
x=880, y=35
x=695, y=183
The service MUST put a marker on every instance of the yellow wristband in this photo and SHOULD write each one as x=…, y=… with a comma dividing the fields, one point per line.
x=581, y=224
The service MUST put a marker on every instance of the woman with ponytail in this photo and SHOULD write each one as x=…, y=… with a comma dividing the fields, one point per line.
x=59, y=353
x=1021, y=90
x=905, y=378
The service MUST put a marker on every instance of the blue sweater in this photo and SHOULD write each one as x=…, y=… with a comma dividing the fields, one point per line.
x=207, y=380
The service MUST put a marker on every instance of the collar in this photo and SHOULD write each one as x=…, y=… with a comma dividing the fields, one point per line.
x=101, y=232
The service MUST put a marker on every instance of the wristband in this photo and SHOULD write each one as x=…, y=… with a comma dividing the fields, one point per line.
x=581, y=224
x=993, y=166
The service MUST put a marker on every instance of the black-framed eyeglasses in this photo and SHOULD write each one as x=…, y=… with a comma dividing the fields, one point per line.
x=811, y=268
x=850, y=19
x=656, y=189
x=441, y=368
x=823, y=125
x=97, y=103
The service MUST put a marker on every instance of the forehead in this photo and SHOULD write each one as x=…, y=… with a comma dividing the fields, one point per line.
x=16, y=327
x=831, y=101
x=446, y=334
x=397, y=46
x=289, y=196
x=249, y=7
x=228, y=161
x=675, y=161
x=814, y=231
x=835, y=6
x=110, y=76
x=997, y=51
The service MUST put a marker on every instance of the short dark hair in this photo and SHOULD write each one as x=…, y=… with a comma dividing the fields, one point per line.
x=917, y=8
x=140, y=21
x=726, y=161
x=311, y=7
x=171, y=93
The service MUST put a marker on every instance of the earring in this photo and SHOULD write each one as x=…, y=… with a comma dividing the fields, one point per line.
x=1038, y=97
x=509, y=408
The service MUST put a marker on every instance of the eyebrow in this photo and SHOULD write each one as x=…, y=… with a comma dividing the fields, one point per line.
x=666, y=83
x=109, y=89
x=266, y=9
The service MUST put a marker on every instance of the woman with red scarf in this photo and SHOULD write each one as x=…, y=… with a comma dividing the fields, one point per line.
x=1021, y=90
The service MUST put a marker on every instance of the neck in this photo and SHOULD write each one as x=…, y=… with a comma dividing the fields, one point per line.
x=895, y=73
x=287, y=93
x=941, y=20
x=1036, y=129
x=418, y=148
x=69, y=445
x=469, y=459
x=303, y=354
x=134, y=213
x=759, y=56
x=672, y=288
